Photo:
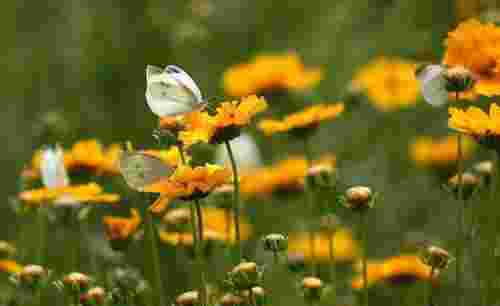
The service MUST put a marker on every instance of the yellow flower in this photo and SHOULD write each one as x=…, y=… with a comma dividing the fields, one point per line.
x=476, y=46
x=120, y=228
x=485, y=128
x=85, y=154
x=229, y=118
x=308, y=118
x=69, y=195
x=397, y=269
x=439, y=152
x=269, y=72
x=187, y=183
x=10, y=266
x=285, y=175
x=389, y=83
x=217, y=222
x=345, y=248
x=185, y=239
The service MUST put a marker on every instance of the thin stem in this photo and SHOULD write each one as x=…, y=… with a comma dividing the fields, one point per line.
x=364, y=240
x=431, y=291
x=236, y=198
x=310, y=202
x=199, y=251
x=42, y=235
x=460, y=223
x=153, y=261
x=333, y=271
x=181, y=152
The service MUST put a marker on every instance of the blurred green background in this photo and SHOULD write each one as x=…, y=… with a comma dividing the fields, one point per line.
x=84, y=61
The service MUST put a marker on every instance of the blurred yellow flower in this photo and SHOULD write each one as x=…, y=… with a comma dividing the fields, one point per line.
x=171, y=157
x=224, y=125
x=308, y=118
x=187, y=183
x=345, y=248
x=68, y=195
x=120, y=228
x=85, y=154
x=270, y=72
x=217, y=222
x=439, y=152
x=397, y=269
x=286, y=175
x=185, y=239
x=10, y=266
x=475, y=122
x=389, y=83
x=476, y=46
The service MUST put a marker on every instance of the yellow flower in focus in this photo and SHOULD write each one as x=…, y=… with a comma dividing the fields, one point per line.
x=229, y=118
x=439, y=152
x=10, y=266
x=68, y=195
x=397, y=269
x=218, y=222
x=308, y=118
x=120, y=228
x=485, y=128
x=85, y=154
x=188, y=183
x=389, y=83
x=345, y=248
x=476, y=46
x=269, y=72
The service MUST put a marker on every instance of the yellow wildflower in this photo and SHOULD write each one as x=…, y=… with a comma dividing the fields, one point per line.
x=85, y=154
x=120, y=228
x=229, y=118
x=475, y=46
x=69, y=195
x=185, y=239
x=308, y=118
x=188, y=183
x=439, y=152
x=217, y=220
x=270, y=72
x=171, y=157
x=485, y=128
x=397, y=269
x=389, y=83
x=10, y=266
x=345, y=248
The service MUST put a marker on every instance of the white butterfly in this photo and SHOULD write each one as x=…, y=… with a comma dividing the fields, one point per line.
x=171, y=91
x=246, y=153
x=52, y=168
x=141, y=170
x=433, y=84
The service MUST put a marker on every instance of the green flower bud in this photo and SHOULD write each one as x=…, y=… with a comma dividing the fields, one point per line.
x=275, y=243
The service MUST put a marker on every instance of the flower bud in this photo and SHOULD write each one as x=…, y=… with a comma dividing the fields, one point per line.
x=189, y=298
x=469, y=184
x=177, y=216
x=436, y=257
x=32, y=276
x=312, y=287
x=94, y=297
x=231, y=300
x=458, y=79
x=359, y=198
x=244, y=276
x=259, y=295
x=275, y=243
x=485, y=169
x=7, y=250
x=76, y=282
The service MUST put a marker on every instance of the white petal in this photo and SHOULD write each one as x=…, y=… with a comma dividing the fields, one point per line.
x=52, y=168
x=246, y=151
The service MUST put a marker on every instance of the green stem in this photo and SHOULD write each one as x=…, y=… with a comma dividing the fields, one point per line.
x=460, y=223
x=152, y=262
x=431, y=291
x=236, y=199
x=310, y=202
x=199, y=253
x=42, y=235
x=333, y=272
x=181, y=152
x=364, y=241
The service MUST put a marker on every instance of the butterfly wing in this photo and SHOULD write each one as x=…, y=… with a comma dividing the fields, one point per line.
x=140, y=170
x=433, y=85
